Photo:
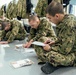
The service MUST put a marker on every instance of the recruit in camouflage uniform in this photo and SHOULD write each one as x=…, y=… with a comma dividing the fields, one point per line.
x=63, y=52
x=21, y=8
x=16, y=31
x=11, y=11
x=42, y=33
x=41, y=7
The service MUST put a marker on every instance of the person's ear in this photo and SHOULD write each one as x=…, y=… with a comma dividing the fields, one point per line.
x=57, y=16
x=38, y=22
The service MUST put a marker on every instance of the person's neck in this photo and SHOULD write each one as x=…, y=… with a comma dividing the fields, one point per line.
x=62, y=16
x=38, y=25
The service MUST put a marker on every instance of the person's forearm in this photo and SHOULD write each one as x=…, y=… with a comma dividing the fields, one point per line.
x=11, y=38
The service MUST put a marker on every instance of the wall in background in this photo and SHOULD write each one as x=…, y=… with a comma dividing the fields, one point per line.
x=73, y=2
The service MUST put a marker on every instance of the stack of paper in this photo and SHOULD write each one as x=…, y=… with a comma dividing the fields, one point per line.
x=21, y=63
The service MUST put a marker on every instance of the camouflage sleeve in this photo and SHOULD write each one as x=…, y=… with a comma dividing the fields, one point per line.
x=45, y=4
x=0, y=27
x=40, y=8
x=2, y=33
x=14, y=32
x=45, y=30
x=66, y=38
x=31, y=34
x=52, y=33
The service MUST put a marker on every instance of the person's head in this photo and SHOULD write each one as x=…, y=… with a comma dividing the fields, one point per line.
x=6, y=25
x=55, y=12
x=34, y=21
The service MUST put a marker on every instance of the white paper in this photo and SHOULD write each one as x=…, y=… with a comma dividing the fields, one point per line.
x=19, y=45
x=29, y=50
x=21, y=63
x=5, y=45
x=38, y=43
x=35, y=43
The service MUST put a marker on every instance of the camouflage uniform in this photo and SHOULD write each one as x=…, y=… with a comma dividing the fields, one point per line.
x=63, y=52
x=2, y=11
x=42, y=33
x=41, y=7
x=16, y=31
x=21, y=8
x=11, y=11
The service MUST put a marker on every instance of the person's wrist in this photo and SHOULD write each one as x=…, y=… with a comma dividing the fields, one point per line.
x=31, y=40
x=7, y=42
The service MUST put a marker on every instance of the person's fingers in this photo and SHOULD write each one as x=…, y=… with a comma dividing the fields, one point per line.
x=52, y=42
x=46, y=42
x=28, y=45
x=25, y=45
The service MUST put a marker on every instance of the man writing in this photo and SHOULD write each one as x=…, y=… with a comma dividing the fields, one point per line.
x=41, y=30
x=10, y=31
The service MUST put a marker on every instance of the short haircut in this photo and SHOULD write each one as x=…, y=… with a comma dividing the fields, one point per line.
x=4, y=24
x=33, y=17
x=54, y=8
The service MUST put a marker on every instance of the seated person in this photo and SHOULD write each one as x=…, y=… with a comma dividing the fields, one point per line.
x=10, y=31
x=62, y=52
x=41, y=30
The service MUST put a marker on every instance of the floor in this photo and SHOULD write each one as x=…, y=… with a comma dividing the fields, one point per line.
x=8, y=54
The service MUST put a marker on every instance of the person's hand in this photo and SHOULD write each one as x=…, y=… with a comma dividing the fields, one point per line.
x=3, y=42
x=50, y=42
x=47, y=41
x=25, y=45
x=47, y=47
x=28, y=44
